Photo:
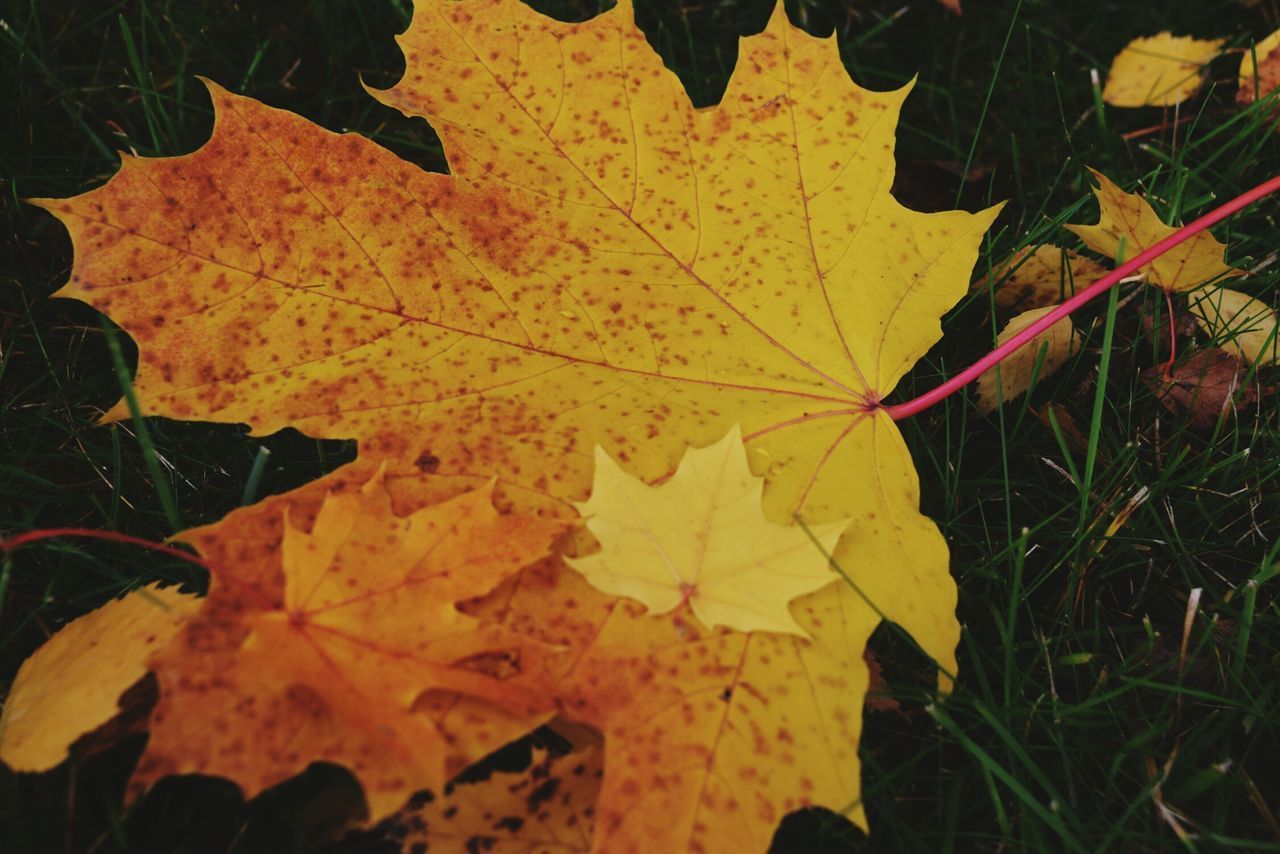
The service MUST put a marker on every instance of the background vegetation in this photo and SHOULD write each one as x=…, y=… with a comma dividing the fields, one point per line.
x=1092, y=713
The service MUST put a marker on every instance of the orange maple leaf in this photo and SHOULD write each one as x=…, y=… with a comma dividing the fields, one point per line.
x=329, y=658
x=675, y=701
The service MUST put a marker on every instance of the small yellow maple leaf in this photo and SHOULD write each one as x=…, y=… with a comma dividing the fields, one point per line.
x=71, y=684
x=1239, y=323
x=702, y=538
x=1158, y=71
x=1127, y=225
x=1041, y=276
x=330, y=665
x=1058, y=343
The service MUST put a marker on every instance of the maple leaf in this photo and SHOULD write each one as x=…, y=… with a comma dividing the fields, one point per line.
x=639, y=678
x=711, y=735
x=328, y=661
x=72, y=683
x=1040, y=276
x=1158, y=71
x=1127, y=224
x=702, y=538
x=1057, y=344
x=603, y=265
x=548, y=807
x=1241, y=324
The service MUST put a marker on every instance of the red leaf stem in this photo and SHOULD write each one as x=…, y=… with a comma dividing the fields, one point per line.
x=49, y=533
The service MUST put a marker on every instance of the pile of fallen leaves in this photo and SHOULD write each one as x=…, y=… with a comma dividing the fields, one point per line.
x=624, y=468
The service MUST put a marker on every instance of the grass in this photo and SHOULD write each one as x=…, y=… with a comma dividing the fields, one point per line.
x=1103, y=703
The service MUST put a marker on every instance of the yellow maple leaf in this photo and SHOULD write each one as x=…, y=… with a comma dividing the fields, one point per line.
x=1239, y=323
x=71, y=684
x=1127, y=225
x=604, y=265
x=1040, y=276
x=330, y=664
x=702, y=538
x=1158, y=71
x=548, y=807
x=1058, y=343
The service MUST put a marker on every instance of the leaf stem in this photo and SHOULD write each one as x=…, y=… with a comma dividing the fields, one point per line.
x=908, y=408
x=8, y=546
x=1173, y=337
x=14, y=542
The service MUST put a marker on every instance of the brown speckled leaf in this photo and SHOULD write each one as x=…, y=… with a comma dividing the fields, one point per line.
x=1040, y=276
x=1205, y=387
x=319, y=646
x=711, y=737
x=549, y=808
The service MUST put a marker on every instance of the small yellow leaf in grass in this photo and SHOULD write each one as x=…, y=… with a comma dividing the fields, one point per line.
x=1158, y=71
x=1127, y=225
x=702, y=537
x=1034, y=278
x=1263, y=63
x=1016, y=371
x=71, y=684
x=1239, y=323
